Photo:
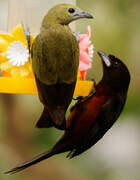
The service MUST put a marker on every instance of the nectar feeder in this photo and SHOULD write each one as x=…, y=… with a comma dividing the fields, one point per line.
x=16, y=72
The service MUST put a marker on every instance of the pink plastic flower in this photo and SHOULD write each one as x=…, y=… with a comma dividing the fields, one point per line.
x=86, y=53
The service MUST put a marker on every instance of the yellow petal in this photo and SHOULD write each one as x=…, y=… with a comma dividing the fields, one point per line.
x=7, y=37
x=5, y=66
x=31, y=40
x=31, y=75
x=3, y=45
x=5, y=74
x=3, y=57
x=5, y=40
x=78, y=75
x=19, y=35
x=23, y=72
x=15, y=72
x=83, y=88
x=29, y=66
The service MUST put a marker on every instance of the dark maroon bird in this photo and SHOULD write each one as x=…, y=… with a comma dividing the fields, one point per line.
x=93, y=116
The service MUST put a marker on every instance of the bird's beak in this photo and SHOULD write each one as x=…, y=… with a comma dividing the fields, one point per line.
x=86, y=15
x=105, y=58
x=81, y=14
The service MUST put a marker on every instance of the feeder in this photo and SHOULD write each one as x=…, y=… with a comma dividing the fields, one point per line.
x=17, y=76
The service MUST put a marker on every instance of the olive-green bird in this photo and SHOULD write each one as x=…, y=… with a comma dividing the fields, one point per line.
x=55, y=59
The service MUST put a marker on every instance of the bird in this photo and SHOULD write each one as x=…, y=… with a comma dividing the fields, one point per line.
x=92, y=116
x=55, y=60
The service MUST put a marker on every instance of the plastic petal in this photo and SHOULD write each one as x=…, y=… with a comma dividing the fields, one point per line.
x=3, y=57
x=6, y=66
x=18, y=34
x=15, y=72
x=23, y=72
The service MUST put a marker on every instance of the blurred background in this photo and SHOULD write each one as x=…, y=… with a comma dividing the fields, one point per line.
x=115, y=30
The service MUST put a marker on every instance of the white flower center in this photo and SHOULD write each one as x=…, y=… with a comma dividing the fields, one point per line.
x=17, y=53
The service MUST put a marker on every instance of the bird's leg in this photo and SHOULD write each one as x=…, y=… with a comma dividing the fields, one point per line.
x=79, y=100
x=83, y=99
x=93, y=80
x=87, y=97
x=92, y=93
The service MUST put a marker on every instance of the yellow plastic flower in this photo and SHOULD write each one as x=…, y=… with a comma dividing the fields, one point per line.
x=14, y=54
x=16, y=66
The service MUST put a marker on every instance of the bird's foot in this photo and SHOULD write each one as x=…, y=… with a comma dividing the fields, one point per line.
x=88, y=97
x=93, y=80
x=78, y=98
x=91, y=94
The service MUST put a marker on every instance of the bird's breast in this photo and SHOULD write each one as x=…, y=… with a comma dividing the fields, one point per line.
x=56, y=55
x=81, y=121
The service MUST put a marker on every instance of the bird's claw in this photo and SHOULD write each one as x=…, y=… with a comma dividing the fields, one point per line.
x=88, y=97
x=93, y=80
x=78, y=98
x=91, y=94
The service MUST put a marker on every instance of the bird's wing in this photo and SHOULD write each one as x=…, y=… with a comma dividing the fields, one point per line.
x=43, y=66
x=109, y=113
x=55, y=56
x=55, y=94
x=56, y=99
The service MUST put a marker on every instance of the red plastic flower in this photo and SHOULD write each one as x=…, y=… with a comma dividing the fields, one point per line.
x=86, y=53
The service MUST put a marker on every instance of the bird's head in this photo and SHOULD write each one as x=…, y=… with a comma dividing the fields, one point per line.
x=115, y=72
x=65, y=14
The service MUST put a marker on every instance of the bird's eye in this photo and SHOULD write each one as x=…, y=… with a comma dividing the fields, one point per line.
x=71, y=10
x=116, y=63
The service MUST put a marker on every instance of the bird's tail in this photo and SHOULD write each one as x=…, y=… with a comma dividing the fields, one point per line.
x=63, y=145
x=27, y=164
x=46, y=121
x=58, y=116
